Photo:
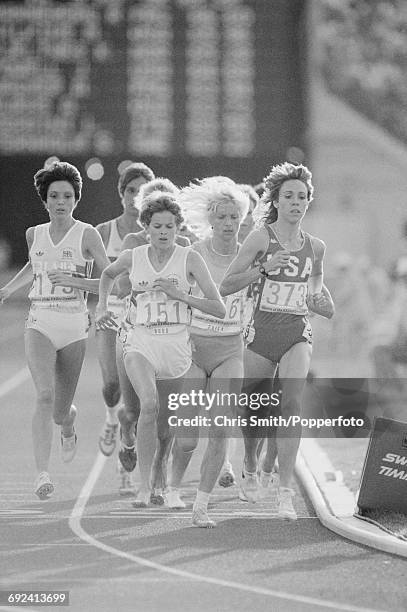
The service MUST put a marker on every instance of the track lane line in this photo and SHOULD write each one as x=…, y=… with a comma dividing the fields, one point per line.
x=75, y=525
x=15, y=381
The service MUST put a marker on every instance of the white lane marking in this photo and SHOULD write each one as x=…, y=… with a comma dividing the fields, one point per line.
x=75, y=525
x=15, y=381
x=183, y=514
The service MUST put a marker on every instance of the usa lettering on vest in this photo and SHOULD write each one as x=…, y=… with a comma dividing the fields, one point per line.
x=292, y=269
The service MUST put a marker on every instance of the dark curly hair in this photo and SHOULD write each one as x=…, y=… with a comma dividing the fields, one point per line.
x=158, y=202
x=58, y=171
x=274, y=180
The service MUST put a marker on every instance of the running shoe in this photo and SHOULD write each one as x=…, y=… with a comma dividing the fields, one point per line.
x=68, y=447
x=286, y=508
x=142, y=500
x=43, y=486
x=227, y=477
x=157, y=497
x=173, y=500
x=126, y=484
x=128, y=457
x=200, y=518
x=249, y=486
x=268, y=485
x=107, y=439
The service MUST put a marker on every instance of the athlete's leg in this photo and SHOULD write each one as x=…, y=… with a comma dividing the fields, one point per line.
x=165, y=436
x=129, y=412
x=257, y=369
x=67, y=370
x=41, y=358
x=106, y=350
x=293, y=370
x=225, y=379
x=186, y=438
x=142, y=376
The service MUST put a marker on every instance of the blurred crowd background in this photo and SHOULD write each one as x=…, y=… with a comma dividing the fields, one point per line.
x=226, y=87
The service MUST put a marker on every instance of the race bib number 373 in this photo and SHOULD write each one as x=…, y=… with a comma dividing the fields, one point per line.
x=281, y=296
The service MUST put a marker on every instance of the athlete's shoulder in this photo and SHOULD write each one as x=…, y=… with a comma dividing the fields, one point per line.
x=258, y=240
x=199, y=246
x=104, y=229
x=133, y=240
x=318, y=245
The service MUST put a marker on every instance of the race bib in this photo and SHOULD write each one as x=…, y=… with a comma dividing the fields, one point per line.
x=282, y=296
x=231, y=324
x=43, y=290
x=153, y=308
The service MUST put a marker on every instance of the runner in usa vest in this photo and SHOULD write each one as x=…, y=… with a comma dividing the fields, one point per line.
x=283, y=266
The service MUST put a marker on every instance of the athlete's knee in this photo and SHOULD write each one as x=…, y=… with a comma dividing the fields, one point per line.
x=185, y=445
x=111, y=393
x=149, y=410
x=46, y=399
x=291, y=405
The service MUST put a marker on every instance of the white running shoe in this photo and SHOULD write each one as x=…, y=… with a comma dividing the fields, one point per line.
x=173, y=500
x=126, y=484
x=242, y=495
x=200, y=518
x=68, y=447
x=268, y=486
x=227, y=477
x=107, y=438
x=286, y=508
x=249, y=486
x=142, y=500
x=43, y=486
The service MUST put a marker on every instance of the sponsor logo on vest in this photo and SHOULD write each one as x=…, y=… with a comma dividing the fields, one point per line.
x=143, y=283
x=174, y=279
x=39, y=253
x=391, y=471
x=67, y=254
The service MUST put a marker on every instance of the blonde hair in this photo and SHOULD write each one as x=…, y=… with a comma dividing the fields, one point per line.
x=199, y=200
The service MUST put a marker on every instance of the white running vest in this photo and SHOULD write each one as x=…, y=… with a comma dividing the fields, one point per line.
x=151, y=307
x=113, y=250
x=67, y=256
x=205, y=324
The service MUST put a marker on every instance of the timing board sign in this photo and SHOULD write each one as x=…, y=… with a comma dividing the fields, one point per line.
x=384, y=476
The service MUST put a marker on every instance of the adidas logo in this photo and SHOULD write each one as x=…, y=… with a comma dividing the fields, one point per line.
x=143, y=283
x=39, y=253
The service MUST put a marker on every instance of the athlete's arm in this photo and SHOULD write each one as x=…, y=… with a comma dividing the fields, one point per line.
x=196, y=267
x=92, y=247
x=103, y=229
x=319, y=299
x=240, y=273
x=109, y=275
x=123, y=284
x=23, y=276
x=321, y=303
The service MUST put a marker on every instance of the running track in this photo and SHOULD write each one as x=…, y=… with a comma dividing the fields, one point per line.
x=90, y=541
